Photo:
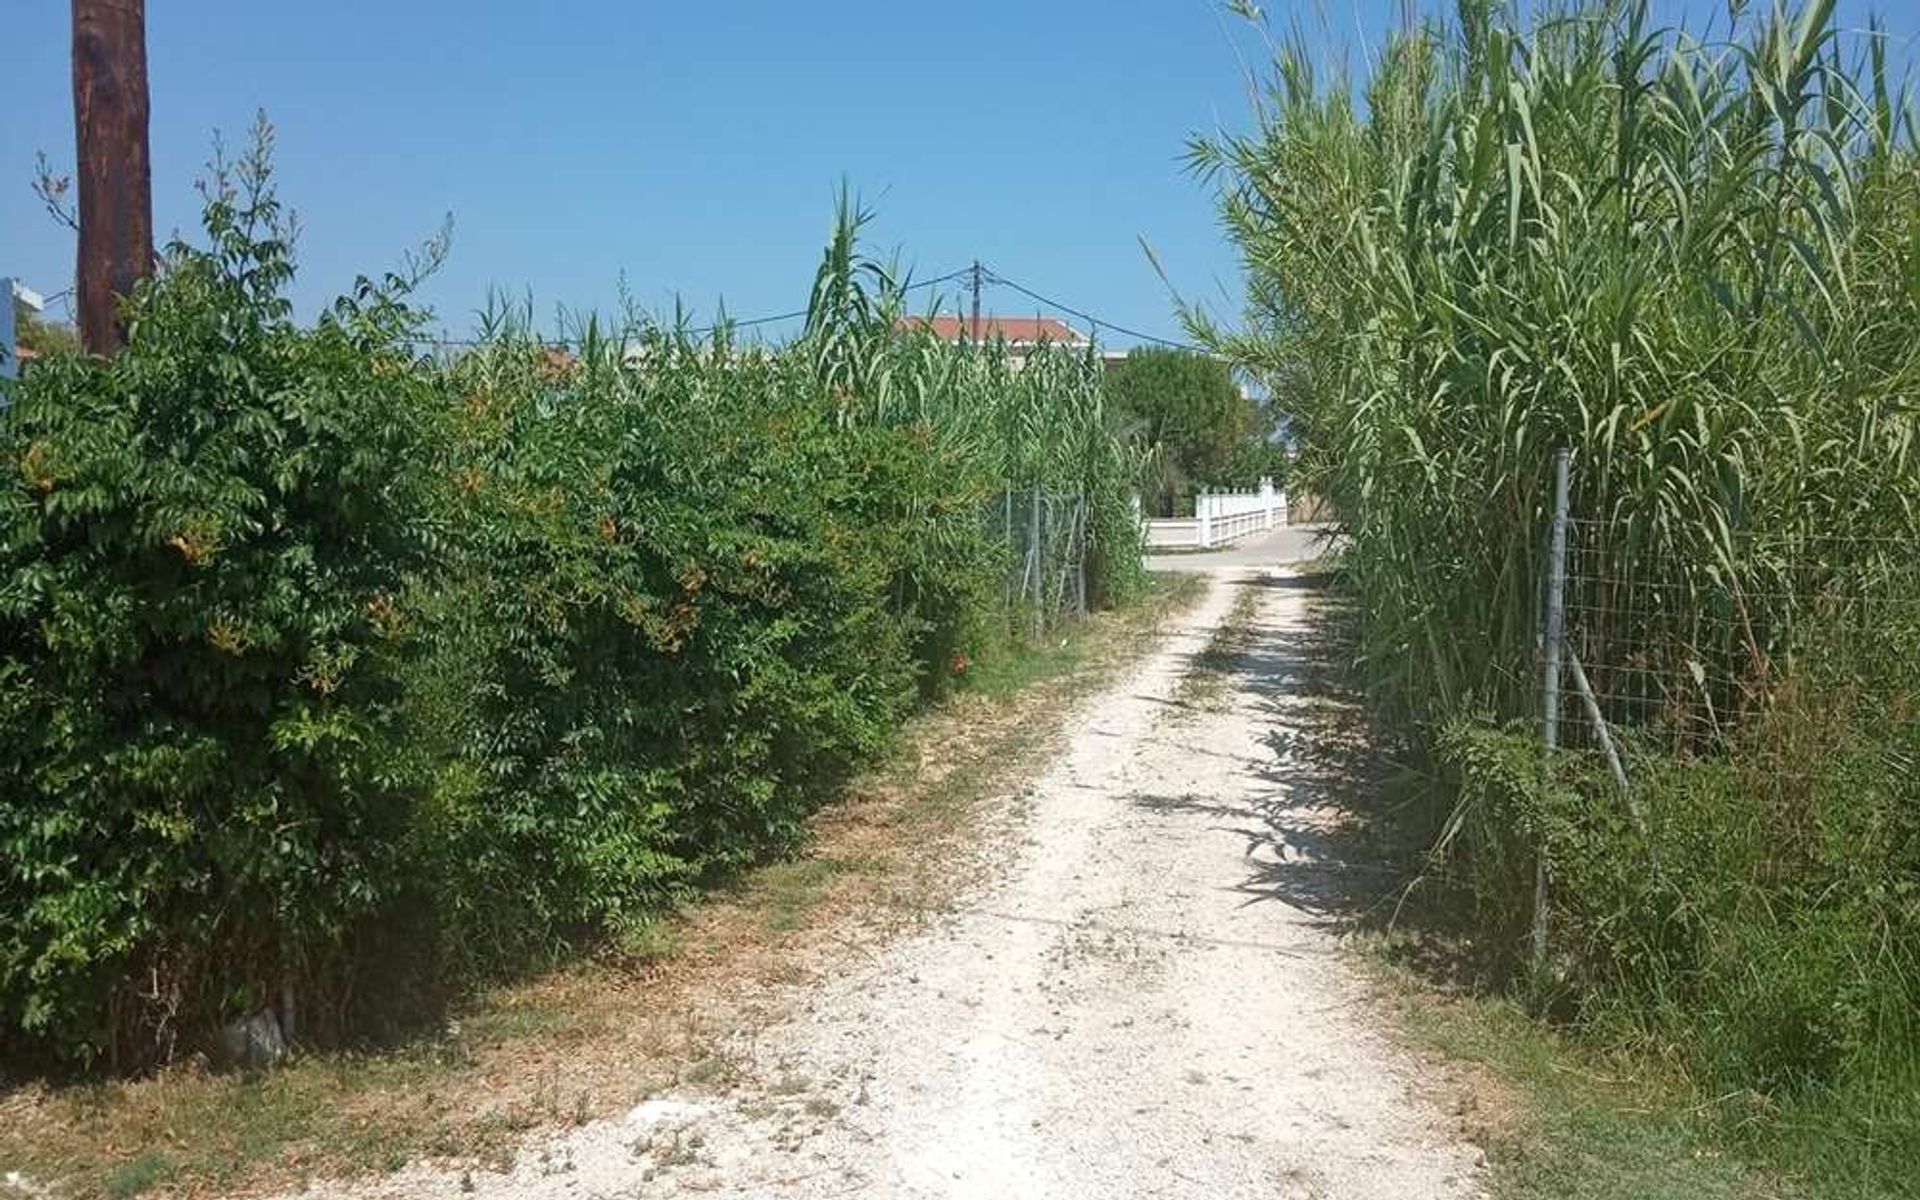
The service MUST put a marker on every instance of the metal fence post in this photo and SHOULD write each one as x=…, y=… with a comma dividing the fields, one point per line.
x=1266, y=502
x=1036, y=552
x=1203, y=519
x=1550, y=725
x=1080, y=552
x=1007, y=538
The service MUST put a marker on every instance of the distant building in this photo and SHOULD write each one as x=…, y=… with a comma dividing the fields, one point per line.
x=16, y=299
x=1022, y=334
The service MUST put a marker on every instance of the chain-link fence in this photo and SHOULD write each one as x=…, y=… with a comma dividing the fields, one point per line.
x=1048, y=544
x=1664, y=653
x=1727, y=842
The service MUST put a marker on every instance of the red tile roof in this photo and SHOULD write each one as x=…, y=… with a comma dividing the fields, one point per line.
x=1014, y=329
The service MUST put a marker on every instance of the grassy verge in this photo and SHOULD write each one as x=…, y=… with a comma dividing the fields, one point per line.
x=1559, y=1117
x=1627, y=1102
x=1563, y=1118
x=596, y=1037
x=1559, y=1121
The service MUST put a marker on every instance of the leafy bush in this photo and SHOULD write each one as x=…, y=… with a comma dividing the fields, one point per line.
x=668, y=613
x=204, y=542
x=333, y=676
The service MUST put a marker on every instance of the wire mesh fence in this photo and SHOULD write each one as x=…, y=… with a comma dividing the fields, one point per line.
x=1727, y=839
x=1674, y=652
x=1047, y=542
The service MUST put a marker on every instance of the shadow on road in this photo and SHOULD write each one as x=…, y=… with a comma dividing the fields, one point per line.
x=1314, y=840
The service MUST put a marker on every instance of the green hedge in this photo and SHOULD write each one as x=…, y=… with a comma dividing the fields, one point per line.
x=335, y=674
x=666, y=635
x=204, y=543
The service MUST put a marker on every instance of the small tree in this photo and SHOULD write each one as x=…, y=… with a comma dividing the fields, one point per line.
x=205, y=543
x=1187, y=406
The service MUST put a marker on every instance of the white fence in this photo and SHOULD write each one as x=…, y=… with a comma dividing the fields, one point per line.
x=1219, y=518
x=9, y=351
x=13, y=292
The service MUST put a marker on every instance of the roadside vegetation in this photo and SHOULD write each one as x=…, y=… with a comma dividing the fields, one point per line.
x=1189, y=411
x=1688, y=257
x=341, y=672
x=1560, y=1119
x=594, y=1036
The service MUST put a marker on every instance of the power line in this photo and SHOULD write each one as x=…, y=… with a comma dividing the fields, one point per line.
x=949, y=277
x=1089, y=318
x=749, y=322
x=699, y=330
x=975, y=273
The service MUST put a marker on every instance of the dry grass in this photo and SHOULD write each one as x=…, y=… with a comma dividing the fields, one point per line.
x=1206, y=679
x=596, y=1037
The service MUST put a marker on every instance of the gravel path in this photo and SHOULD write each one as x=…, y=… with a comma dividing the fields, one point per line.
x=1146, y=1000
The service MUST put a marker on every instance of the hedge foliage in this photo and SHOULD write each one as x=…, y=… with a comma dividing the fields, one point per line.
x=335, y=673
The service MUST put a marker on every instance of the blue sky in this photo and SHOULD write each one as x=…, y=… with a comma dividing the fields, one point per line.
x=694, y=147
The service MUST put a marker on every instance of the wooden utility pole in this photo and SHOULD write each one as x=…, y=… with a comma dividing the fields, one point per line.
x=115, y=176
x=974, y=333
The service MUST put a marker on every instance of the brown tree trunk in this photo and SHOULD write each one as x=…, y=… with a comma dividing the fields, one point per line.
x=115, y=177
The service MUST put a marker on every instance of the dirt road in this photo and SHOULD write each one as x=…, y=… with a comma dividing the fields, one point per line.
x=1146, y=999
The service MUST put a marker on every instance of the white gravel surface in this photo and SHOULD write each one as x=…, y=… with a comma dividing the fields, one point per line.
x=1144, y=999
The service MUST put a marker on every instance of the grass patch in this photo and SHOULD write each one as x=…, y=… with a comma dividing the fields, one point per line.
x=1207, y=675
x=141, y=1175
x=1586, y=1124
x=791, y=890
x=1006, y=667
x=1018, y=661
x=1559, y=1122
x=943, y=805
x=598, y=1035
x=508, y=1022
x=712, y=1071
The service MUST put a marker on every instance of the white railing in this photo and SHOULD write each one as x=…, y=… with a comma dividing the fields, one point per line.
x=9, y=350
x=1219, y=518
x=13, y=292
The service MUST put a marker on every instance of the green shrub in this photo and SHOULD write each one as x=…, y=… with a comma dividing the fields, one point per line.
x=1770, y=956
x=668, y=612
x=202, y=546
x=333, y=676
